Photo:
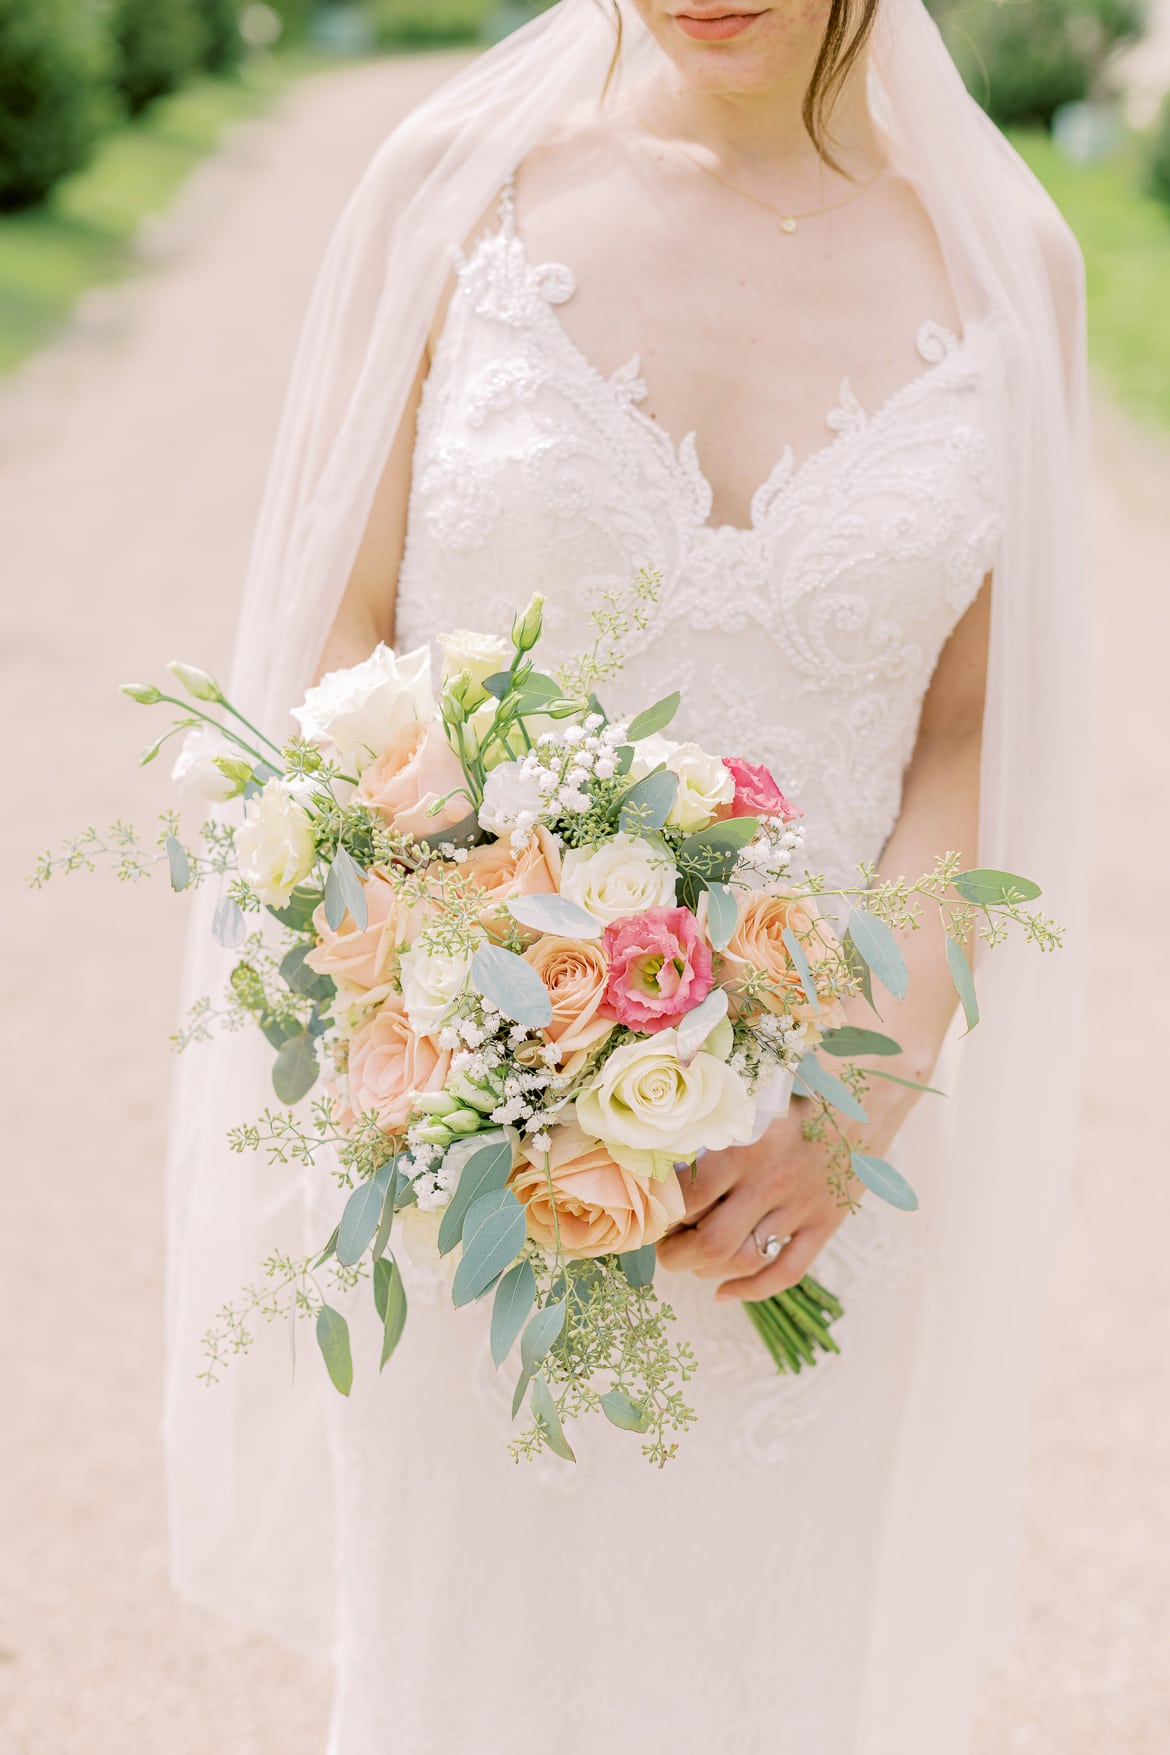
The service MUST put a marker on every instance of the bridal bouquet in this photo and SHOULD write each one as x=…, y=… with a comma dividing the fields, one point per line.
x=534, y=961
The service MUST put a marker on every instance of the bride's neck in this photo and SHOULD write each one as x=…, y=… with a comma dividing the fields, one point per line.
x=757, y=130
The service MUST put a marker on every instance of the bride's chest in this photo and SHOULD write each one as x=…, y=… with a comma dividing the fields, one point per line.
x=533, y=469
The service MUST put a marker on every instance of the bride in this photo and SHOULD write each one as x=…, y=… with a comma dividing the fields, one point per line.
x=759, y=300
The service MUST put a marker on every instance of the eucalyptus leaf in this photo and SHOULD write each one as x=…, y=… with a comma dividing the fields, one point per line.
x=329, y=1247
x=540, y=1334
x=880, y=950
x=991, y=887
x=277, y=1031
x=722, y=914
x=648, y=802
x=227, y=923
x=333, y=1340
x=465, y=833
x=343, y=892
x=709, y=856
x=294, y=1072
x=638, y=1265
x=964, y=981
x=800, y=963
x=884, y=1181
x=514, y=1298
x=623, y=1411
x=386, y=1222
x=553, y=913
x=655, y=718
x=849, y=1040
x=493, y=1236
x=296, y=974
x=859, y=969
x=511, y=985
x=297, y=914
x=698, y=1024
x=361, y=1216
x=879, y=1072
x=485, y=1169
x=825, y=1084
x=499, y=683
x=179, y=863
x=390, y=1303
x=545, y=1410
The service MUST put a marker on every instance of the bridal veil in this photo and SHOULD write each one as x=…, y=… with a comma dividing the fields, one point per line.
x=249, y=1476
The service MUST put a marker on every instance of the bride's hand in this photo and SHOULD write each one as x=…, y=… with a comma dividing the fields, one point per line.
x=779, y=1185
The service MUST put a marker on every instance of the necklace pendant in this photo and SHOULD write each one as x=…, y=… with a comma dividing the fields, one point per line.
x=787, y=223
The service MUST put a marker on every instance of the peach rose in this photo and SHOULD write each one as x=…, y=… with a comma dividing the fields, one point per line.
x=575, y=973
x=502, y=873
x=757, y=943
x=417, y=767
x=364, y=963
x=599, y=1207
x=388, y=1064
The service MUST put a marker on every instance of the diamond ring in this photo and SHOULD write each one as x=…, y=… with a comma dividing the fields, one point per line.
x=770, y=1247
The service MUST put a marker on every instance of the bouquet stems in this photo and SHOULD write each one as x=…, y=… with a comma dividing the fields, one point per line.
x=794, y=1325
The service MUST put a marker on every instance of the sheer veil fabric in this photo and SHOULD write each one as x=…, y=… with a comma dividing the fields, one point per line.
x=249, y=1478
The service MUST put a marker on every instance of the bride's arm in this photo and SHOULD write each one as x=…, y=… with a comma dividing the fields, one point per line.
x=780, y=1183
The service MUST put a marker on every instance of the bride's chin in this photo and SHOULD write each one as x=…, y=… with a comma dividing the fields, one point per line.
x=761, y=58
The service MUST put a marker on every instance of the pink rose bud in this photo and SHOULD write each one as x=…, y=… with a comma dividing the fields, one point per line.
x=659, y=968
x=756, y=793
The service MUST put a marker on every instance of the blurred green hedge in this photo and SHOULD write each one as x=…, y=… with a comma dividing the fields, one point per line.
x=51, y=89
x=1023, y=59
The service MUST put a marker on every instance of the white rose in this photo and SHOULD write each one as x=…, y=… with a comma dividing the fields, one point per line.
x=419, y=1228
x=622, y=876
x=703, y=782
x=508, y=795
x=644, y=1100
x=357, y=711
x=274, y=844
x=482, y=655
x=431, y=983
x=195, y=773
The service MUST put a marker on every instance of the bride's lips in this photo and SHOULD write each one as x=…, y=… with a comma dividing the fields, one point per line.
x=714, y=27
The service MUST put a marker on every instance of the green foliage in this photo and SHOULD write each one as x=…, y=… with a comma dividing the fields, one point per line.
x=426, y=24
x=50, y=97
x=222, y=46
x=1157, y=166
x=1023, y=61
x=157, y=44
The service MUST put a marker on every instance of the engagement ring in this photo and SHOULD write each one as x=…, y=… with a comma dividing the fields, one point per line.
x=770, y=1247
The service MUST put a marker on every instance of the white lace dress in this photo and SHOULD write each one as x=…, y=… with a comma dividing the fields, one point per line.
x=720, y=1606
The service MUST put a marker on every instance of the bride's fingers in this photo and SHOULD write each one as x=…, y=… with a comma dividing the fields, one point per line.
x=789, y=1267
x=705, y=1185
x=712, y=1246
x=743, y=1253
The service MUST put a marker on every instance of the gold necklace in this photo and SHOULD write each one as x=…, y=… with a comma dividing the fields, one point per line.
x=788, y=221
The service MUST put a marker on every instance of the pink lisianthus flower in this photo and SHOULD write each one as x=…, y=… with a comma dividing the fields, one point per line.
x=659, y=968
x=756, y=793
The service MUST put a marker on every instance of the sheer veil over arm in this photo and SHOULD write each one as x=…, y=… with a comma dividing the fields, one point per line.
x=249, y=1477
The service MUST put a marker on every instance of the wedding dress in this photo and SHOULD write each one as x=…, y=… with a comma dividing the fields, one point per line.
x=723, y=1605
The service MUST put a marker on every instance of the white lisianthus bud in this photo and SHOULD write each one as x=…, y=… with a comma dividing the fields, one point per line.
x=703, y=782
x=431, y=983
x=196, y=682
x=357, y=711
x=623, y=875
x=196, y=771
x=526, y=628
x=508, y=795
x=274, y=844
x=479, y=655
x=144, y=693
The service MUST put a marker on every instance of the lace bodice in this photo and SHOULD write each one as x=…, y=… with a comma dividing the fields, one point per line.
x=806, y=640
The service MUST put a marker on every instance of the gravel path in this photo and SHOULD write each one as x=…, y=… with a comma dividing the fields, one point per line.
x=131, y=459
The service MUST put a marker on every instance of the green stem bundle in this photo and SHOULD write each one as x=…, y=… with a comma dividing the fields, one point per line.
x=794, y=1325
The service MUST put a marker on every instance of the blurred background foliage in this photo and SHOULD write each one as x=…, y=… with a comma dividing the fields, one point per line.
x=106, y=104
